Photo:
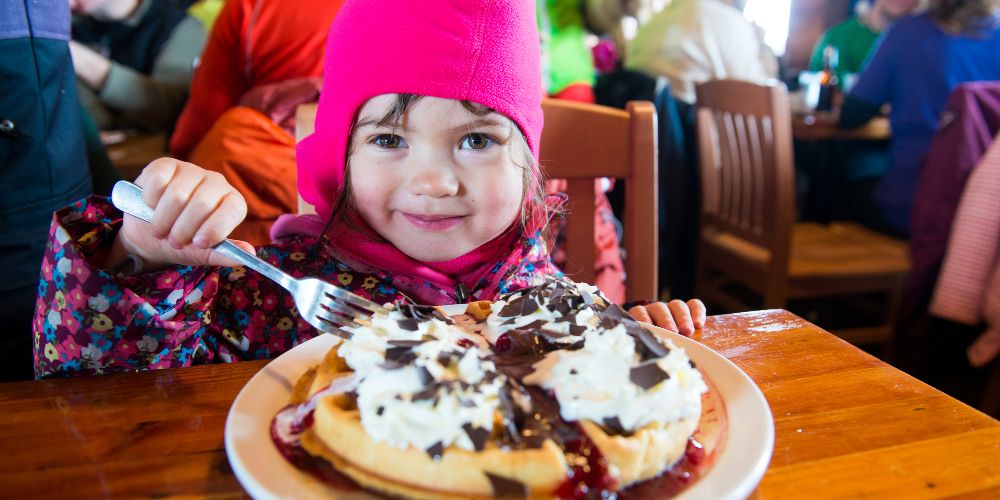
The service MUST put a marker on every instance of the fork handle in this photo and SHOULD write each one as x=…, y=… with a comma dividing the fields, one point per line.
x=128, y=198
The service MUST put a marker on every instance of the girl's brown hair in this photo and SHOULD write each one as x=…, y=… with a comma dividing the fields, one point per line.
x=965, y=17
x=534, y=213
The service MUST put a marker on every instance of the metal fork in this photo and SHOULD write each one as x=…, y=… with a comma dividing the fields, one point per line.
x=326, y=307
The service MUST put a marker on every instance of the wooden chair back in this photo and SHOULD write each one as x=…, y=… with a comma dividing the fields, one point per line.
x=305, y=123
x=747, y=170
x=582, y=142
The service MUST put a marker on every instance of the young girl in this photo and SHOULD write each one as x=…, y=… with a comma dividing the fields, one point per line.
x=424, y=162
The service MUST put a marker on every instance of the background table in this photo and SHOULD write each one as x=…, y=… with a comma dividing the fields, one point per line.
x=131, y=153
x=846, y=424
x=823, y=127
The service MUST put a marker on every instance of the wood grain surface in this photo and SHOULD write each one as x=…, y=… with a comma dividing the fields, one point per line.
x=823, y=127
x=847, y=425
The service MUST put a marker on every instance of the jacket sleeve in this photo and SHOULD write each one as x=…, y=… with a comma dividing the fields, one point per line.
x=88, y=321
x=218, y=83
x=156, y=100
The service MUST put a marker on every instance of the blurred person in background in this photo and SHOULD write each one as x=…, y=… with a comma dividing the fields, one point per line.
x=42, y=161
x=855, y=37
x=262, y=60
x=859, y=164
x=913, y=68
x=134, y=60
x=694, y=41
x=254, y=44
x=568, y=72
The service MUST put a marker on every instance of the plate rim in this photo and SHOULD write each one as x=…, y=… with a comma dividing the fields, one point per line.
x=746, y=453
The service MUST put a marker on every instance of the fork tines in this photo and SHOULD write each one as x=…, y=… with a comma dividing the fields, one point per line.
x=333, y=328
x=354, y=300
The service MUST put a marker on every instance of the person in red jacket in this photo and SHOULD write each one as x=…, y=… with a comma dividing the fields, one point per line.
x=253, y=43
x=262, y=60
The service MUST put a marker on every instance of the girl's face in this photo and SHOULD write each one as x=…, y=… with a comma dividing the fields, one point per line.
x=438, y=184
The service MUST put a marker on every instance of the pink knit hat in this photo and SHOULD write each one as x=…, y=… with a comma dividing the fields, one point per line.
x=484, y=51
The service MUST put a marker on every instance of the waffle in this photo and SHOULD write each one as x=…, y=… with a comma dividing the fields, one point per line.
x=530, y=448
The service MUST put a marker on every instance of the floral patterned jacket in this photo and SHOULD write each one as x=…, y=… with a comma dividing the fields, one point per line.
x=88, y=321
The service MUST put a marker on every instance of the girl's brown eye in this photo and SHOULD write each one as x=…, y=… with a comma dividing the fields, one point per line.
x=476, y=141
x=389, y=141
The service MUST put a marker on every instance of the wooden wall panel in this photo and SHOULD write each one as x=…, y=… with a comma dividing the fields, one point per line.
x=808, y=20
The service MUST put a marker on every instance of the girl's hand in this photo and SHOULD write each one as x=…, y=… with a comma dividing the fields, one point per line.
x=676, y=315
x=193, y=210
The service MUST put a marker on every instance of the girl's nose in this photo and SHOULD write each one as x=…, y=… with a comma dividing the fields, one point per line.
x=437, y=181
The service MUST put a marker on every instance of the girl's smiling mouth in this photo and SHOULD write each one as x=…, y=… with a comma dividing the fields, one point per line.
x=434, y=222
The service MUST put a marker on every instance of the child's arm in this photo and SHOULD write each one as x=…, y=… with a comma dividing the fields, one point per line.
x=676, y=315
x=92, y=317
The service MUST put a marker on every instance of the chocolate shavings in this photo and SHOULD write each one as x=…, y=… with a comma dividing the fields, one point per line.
x=425, y=375
x=647, y=375
x=406, y=343
x=507, y=488
x=435, y=451
x=398, y=357
x=477, y=435
x=614, y=424
x=409, y=324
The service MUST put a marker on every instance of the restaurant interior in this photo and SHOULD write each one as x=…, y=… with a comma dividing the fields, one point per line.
x=803, y=192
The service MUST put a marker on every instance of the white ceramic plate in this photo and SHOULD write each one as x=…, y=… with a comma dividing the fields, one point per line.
x=264, y=473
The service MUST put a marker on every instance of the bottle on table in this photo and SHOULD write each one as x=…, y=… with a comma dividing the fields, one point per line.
x=829, y=82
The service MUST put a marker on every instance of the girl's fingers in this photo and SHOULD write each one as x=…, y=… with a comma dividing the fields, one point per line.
x=229, y=213
x=698, y=312
x=199, y=207
x=682, y=316
x=661, y=316
x=640, y=314
x=173, y=201
x=155, y=177
x=213, y=194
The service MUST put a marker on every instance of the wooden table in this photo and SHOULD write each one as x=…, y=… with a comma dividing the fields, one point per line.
x=823, y=127
x=131, y=154
x=847, y=425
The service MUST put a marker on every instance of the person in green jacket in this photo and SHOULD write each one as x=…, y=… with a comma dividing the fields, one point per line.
x=855, y=37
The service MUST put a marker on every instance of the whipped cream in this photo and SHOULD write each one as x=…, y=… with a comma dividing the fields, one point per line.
x=366, y=348
x=596, y=382
x=424, y=382
x=563, y=308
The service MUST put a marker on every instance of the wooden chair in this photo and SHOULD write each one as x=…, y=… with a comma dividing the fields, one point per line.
x=581, y=142
x=305, y=123
x=748, y=233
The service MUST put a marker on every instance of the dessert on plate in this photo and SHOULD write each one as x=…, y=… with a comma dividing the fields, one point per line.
x=550, y=392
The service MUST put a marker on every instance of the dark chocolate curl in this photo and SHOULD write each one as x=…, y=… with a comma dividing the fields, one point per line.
x=647, y=375
x=405, y=343
x=615, y=425
x=435, y=451
x=507, y=488
x=396, y=357
x=477, y=435
x=409, y=324
x=528, y=306
x=425, y=375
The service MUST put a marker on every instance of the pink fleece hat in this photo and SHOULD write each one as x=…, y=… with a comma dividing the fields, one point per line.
x=482, y=51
